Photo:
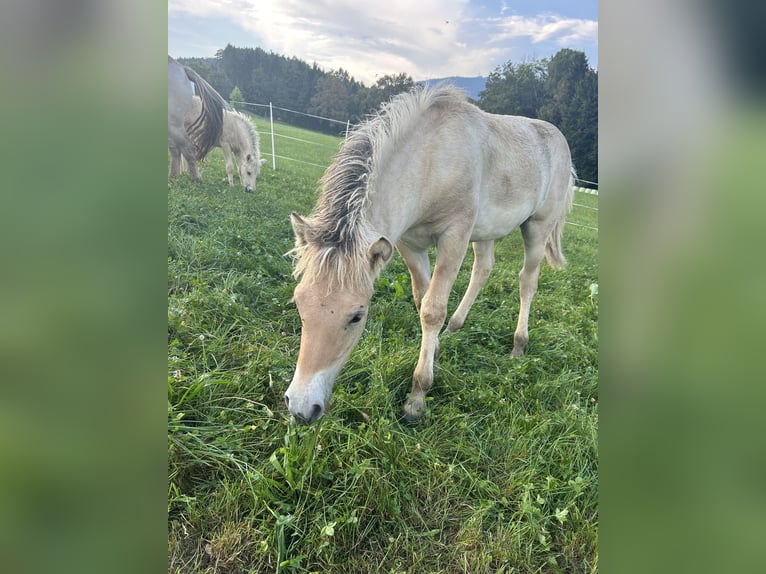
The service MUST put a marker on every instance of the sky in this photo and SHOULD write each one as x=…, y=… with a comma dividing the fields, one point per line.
x=422, y=38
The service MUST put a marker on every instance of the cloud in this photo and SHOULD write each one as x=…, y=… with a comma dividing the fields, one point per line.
x=547, y=27
x=436, y=38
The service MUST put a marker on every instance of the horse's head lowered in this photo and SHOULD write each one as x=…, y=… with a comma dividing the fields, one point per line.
x=249, y=170
x=333, y=313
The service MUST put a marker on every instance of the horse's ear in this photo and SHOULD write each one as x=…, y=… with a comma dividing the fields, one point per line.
x=379, y=254
x=300, y=228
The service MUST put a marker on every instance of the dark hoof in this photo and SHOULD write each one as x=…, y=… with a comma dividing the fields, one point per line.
x=411, y=419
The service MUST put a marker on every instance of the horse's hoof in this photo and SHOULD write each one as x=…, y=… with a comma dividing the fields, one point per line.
x=410, y=418
x=412, y=412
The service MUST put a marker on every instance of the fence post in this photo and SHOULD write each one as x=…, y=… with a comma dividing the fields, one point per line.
x=348, y=125
x=273, y=150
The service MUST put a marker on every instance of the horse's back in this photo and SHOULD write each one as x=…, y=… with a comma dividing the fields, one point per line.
x=180, y=93
x=527, y=164
x=509, y=167
x=526, y=145
x=507, y=157
x=459, y=163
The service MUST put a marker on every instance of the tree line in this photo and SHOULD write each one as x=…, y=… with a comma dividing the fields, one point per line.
x=562, y=90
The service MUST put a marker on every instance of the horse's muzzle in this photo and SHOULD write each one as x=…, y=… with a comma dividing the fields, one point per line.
x=305, y=418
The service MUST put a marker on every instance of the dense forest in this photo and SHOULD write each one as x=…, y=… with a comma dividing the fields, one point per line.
x=562, y=90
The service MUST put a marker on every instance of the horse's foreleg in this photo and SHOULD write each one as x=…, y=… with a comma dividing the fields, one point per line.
x=433, y=311
x=484, y=259
x=420, y=271
x=534, y=249
x=229, y=164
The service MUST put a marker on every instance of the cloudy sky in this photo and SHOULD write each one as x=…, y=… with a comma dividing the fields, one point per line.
x=422, y=38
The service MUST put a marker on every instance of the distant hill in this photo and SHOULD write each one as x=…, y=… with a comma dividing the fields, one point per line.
x=472, y=86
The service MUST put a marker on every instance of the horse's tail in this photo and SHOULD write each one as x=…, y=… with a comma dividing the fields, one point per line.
x=553, y=251
x=206, y=129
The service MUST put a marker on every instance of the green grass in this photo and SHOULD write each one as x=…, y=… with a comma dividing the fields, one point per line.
x=499, y=476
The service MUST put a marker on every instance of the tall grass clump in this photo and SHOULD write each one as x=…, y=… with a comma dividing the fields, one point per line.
x=499, y=476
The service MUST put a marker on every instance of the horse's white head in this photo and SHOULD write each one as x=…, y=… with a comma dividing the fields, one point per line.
x=333, y=316
x=331, y=325
x=249, y=170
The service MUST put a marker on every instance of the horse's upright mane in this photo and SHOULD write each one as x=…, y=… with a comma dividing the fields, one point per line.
x=251, y=132
x=339, y=228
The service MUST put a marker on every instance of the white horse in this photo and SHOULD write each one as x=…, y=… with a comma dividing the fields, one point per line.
x=239, y=140
x=428, y=169
x=192, y=140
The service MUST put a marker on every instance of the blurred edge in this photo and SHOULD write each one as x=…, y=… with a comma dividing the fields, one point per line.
x=682, y=128
x=82, y=297
x=82, y=290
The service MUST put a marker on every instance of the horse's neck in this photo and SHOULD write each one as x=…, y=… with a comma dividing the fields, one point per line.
x=394, y=204
x=234, y=133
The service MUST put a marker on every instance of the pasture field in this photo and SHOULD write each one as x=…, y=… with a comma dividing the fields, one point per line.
x=500, y=475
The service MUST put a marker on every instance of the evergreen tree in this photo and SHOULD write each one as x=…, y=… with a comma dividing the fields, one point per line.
x=516, y=90
x=384, y=89
x=562, y=90
x=236, y=99
x=332, y=97
x=573, y=106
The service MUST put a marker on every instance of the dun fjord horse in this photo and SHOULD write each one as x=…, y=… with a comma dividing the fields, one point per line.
x=238, y=139
x=194, y=140
x=428, y=169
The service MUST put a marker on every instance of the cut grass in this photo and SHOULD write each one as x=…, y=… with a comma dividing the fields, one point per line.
x=499, y=476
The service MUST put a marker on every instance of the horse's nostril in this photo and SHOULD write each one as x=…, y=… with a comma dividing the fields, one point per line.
x=316, y=412
x=303, y=418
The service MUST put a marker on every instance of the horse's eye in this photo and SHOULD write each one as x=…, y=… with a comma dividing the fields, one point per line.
x=356, y=318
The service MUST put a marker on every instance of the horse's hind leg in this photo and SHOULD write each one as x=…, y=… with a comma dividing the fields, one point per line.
x=483, y=260
x=175, y=161
x=175, y=151
x=180, y=145
x=534, y=235
x=192, y=162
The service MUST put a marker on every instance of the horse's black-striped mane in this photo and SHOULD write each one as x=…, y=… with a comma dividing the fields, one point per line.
x=339, y=230
x=206, y=129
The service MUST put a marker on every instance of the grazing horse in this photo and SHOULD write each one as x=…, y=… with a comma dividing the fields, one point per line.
x=238, y=139
x=194, y=140
x=430, y=169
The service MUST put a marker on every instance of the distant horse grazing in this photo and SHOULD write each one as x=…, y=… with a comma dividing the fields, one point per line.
x=238, y=138
x=194, y=140
x=429, y=169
